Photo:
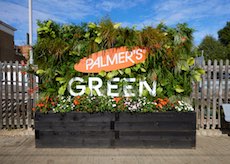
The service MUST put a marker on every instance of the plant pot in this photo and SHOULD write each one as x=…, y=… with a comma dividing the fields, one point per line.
x=147, y=130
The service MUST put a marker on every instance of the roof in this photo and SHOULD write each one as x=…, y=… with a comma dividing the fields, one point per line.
x=8, y=26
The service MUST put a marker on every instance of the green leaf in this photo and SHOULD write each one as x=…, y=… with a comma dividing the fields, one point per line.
x=92, y=25
x=40, y=71
x=98, y=40
x=145, y=93
x=102, y=73
x=197, y=76
x=87, y=91
x=87, y=35
x=179, y=89
x=110, y=75
x=117, y=25
x=136, y=67
x=159, y=90
x=120, y=71
x=128, y=71
x=61, y=80
x=62, y=89
x=191, y=61
x=143, y=70
x=200, y=71
x=185, y=67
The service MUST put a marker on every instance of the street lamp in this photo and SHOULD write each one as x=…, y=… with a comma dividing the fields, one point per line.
x=31, y=33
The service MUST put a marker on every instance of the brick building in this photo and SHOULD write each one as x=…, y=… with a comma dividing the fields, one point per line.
x=7, y=47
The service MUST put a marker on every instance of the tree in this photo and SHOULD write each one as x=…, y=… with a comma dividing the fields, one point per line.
x=213, y=49
x=224, y=34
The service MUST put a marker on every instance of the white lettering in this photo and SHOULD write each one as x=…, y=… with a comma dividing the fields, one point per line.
x=139, y=54
x=121, y=57
x=128, y=56
x=152, y=91
x=82, y=87
x=110, y=87
x=110, y=61
x=88, y=63
x=95, y=87
x=127, y=88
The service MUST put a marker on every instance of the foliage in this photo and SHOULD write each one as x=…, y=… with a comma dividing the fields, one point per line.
x=169, y=60
x=213, y=49
x=224, y=35
x=217, y=49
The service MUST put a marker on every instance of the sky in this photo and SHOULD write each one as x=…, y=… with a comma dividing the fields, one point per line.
x=206, y=17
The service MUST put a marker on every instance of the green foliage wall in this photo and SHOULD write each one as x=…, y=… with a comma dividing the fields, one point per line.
x=169, y=60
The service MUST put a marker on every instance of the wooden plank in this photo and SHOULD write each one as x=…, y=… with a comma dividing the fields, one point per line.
x=23, y=110
x=17, y=95
x=75, y=117
x=202, y=106
x=208, y=94
x=72, y=126
x=155, y=126
x=196, y=88
x=157, y=116
x=156, y=135
x=214, y=96
x=11, y=94
x=6, y=95
x=227, y=73
x=1, y=88
x=29, y=103
x=220, y=92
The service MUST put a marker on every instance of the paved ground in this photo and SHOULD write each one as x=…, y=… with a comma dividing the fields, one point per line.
x=17, y=147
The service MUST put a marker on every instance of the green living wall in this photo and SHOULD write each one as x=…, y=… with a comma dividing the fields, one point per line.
x=169, y=60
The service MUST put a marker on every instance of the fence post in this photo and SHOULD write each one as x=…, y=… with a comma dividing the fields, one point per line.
x=220, y=92
x=202, y=105
x=11, y=94
x=1, y=88
x=214, y=96
x=208, y=94
x=17, y=95
x=226, y=81
x=29, y=92
x=23, y=97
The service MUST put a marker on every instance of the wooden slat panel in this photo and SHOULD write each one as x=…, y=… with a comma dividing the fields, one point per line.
x=6, y=95
x=227, y=78
x=220, y=91
x=23, y=110
x=29, y=105
x=196, y=88
x=208, y=94
x=1, y=93
x=17, y=95
x=11, y=94
x=202, y=99
x=214, y=96
x=154, y=126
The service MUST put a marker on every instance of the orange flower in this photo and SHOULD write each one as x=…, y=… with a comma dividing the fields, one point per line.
x=117, y=99
x=76, y=102
x=33, y=109
x=40, y=105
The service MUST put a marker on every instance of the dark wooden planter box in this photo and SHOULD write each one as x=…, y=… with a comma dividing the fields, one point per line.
x=147, y=130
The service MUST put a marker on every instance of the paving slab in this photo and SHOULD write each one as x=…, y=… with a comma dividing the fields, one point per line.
x=18, y=147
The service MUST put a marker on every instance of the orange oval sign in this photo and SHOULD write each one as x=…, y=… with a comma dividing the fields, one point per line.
x=111, y=59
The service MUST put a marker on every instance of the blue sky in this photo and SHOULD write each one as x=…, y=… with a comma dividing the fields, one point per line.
x=205, y=16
